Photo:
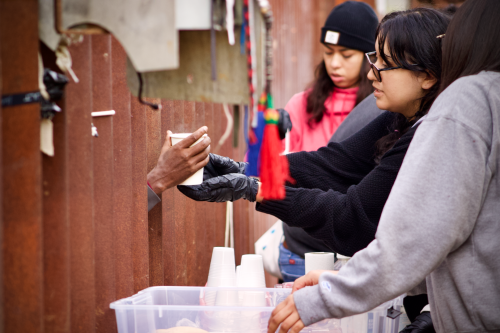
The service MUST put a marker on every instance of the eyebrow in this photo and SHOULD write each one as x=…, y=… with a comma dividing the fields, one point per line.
x=341, y=50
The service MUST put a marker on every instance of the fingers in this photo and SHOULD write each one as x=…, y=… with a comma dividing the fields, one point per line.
x=277, y=316
x=299, y=284
x=199, y=147
x=203, y=163
x=201, y=157
x=195, y=136
x=168, y=141
x=290, y=322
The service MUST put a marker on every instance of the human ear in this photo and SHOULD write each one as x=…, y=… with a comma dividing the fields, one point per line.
x=428, y=81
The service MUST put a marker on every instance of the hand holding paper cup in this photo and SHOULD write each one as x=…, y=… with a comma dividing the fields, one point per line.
x=197, y=177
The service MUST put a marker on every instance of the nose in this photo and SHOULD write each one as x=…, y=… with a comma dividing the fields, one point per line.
x=370, y=75
x=336, y=61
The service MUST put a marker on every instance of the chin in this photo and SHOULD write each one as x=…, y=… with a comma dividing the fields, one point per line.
x=381, y=104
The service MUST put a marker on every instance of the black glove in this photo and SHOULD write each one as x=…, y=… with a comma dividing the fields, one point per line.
x=421, y=324
x=284, y=123
x=221, y=165
x=230, y=187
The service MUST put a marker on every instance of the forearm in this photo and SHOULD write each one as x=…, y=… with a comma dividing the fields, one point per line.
x=337, y=219
x=424, y=219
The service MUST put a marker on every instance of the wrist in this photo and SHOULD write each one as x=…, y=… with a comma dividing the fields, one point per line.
x=155, y=182
x=259, y=197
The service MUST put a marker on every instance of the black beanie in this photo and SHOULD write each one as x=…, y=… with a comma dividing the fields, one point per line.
x=352, y=24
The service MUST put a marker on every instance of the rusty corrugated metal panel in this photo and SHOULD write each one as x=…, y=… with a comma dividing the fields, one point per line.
x=56, y=223
x=103, y=184
x=2, y=304
x=209, y=208
x=21, y=171
x=200, y=270
x=140, y=246
x=122, y=173
x=190, y=209
x=154, y=144
x=168, y=223
x=80, y=186
x=179, y=208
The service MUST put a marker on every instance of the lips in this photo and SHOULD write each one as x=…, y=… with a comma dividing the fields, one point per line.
x=377, y=92
x=336, y=77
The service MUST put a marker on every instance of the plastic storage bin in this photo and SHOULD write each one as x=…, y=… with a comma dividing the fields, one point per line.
x=165, y=307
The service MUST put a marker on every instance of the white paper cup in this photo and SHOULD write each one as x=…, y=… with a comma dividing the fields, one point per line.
x=197, y=177
x=222, y=272
x=227, y=298
x=252, y=271
x=319, y=260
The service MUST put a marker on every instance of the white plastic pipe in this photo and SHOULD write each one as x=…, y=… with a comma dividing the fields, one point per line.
x=103, y=113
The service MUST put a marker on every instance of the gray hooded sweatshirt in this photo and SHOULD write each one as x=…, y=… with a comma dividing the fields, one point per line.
x=441, y=222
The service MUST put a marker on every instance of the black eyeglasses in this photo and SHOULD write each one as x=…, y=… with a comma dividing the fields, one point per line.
x=372, y=59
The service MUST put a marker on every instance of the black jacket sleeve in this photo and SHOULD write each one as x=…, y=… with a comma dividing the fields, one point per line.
x=347, y=222
x=340, y=164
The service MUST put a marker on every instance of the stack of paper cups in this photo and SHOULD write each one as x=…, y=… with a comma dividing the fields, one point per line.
x=197, y=178
x=222, y=274
x=319, y=260
x=252, y=276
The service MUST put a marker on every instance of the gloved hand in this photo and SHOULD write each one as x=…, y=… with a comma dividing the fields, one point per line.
x=230, y=187
x=284, y=123
x=422, y=324
x=221, y=165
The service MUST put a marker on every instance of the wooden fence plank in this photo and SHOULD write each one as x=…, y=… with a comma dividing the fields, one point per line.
x=209, y=217
x=201, y=267
x=154, y=144
x=56, y=222
x=22, y=206
x=140, y=246
x=122, y=173
x=80, y=185
x=169, y=238
x=103, y=184
x=179, y=208
x=190, y=208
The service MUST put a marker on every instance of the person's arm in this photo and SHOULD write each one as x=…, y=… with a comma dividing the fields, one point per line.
x=340, y=164
x=432, y=210
x=176, y=163
x=346, y=222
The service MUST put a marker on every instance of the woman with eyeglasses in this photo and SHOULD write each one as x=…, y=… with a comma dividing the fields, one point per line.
x=441, y=222
x=340, y=190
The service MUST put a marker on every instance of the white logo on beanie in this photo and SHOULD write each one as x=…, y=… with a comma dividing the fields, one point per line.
x=332, y=37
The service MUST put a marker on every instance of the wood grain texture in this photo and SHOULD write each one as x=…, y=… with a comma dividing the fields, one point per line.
x=169, y=239
x=55, y=218
x=81, y=186
x=122, y=173
x=140, y=244
x=21, y=172
x=153, y=147
x=104, y=223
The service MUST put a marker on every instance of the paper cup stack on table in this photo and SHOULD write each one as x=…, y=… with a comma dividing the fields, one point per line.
x=251, y=275
x=197, y=178
x=222, y=274
x=319, y=260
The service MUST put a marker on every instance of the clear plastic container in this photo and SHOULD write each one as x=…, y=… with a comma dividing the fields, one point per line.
x=165, y=307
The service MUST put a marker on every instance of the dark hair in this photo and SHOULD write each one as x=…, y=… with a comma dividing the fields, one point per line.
x=472, y=41
x=411, y=38
x=323, y=86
